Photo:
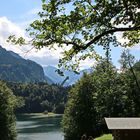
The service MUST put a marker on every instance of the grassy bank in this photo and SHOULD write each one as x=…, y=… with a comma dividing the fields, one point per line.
x=105, y=137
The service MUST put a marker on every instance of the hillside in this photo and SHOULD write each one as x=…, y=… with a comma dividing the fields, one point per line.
x=40, y=97
x=16, y=69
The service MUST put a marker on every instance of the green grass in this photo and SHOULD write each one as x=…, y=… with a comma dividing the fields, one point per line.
x=105, y=137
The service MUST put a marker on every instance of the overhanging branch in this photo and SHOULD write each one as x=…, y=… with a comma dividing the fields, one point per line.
x=78, y=47
x=110, y=32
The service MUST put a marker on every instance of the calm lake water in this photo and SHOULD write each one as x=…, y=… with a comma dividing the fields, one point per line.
x=37, y=127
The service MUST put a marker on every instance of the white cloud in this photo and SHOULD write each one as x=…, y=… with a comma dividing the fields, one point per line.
x=119, y=35
x=43, y=56
x=8, y=28
x=25, y=24
x=123, y=40
x=88, y=63
x=120, y=38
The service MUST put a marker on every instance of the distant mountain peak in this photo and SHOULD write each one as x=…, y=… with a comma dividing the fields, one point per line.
x=69, y=77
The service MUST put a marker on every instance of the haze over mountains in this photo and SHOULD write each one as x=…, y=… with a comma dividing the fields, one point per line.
x=16, y=69
x=69, y=76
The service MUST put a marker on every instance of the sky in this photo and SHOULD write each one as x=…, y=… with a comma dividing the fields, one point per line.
x=16, y=15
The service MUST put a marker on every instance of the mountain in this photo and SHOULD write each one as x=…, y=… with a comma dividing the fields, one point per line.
x=16, y=69
x=69, y=77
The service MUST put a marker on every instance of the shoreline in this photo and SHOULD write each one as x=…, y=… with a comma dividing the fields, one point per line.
x=41, y=115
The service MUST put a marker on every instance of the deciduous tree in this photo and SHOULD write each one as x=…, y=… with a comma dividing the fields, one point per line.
x=80, y=116
x=80, y=25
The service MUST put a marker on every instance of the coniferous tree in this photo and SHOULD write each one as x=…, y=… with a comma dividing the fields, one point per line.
x=80, y=114
x=102, y=93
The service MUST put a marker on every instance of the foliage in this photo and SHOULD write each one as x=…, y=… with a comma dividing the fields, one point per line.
x=7, y=117
x=130, y=77
x=79, y=25
x=109, y=90
x=40, y=97
x=95, y=96
x=136, y=68
x=127, y=60
x=108, y=94
x=80, y=114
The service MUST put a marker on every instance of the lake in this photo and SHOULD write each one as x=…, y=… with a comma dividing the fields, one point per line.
x=39, y=127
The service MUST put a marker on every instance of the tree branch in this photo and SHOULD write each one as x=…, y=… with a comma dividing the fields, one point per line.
x=78, y=47
x=110, y=32
x=67, y=43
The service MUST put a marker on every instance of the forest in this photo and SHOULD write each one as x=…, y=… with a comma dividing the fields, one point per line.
x=40, y=97
x=106, y=92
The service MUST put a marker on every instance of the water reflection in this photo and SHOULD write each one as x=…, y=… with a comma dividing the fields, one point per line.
x=37, y=127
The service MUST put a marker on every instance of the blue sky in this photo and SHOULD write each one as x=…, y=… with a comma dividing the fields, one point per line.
x=15, y=15
x=16, y=10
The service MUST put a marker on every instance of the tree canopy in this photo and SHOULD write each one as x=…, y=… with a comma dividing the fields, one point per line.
x=80, y=117
x=7, y=118
x=39, y=97
x=79, y=25
x=102, y=93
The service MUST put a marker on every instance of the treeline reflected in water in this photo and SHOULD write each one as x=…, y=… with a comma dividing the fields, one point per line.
x=39, y=127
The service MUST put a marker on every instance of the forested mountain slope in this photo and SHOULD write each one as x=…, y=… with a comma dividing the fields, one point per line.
x=16, y=69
